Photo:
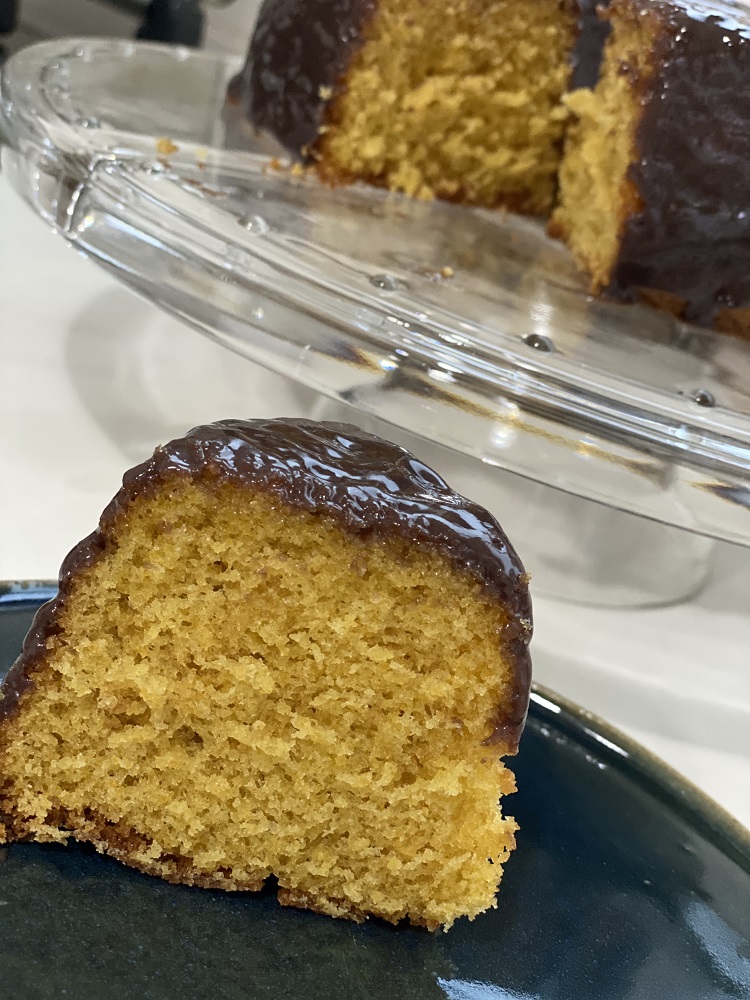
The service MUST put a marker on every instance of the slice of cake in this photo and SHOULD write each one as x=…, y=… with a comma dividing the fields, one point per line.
x=655, y=183
x=291, y=650
x=459, y=99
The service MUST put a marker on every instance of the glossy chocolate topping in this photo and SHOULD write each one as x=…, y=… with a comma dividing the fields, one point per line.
x=372, y=488
x=692, y=236
x=298, y=53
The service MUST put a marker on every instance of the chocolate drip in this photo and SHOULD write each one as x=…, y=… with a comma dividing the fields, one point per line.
x=370, y=487
x=692, y=235
x=299, y=51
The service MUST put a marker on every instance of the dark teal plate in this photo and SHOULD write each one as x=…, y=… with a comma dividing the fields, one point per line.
x=627, y=883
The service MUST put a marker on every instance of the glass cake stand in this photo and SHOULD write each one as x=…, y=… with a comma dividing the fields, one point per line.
x=467, y=334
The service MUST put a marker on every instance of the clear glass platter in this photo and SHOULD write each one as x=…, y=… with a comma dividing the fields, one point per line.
x=469, y=329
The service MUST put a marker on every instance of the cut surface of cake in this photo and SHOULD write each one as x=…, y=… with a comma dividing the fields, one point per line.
x=655, y=183
x=459, y=100
x=289, y=650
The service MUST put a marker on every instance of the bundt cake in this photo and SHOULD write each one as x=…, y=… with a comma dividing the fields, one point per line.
x=466, y=100
x=289, y=650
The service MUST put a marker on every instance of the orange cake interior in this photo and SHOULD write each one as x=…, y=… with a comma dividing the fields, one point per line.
x=237, y=688
x=458, y=100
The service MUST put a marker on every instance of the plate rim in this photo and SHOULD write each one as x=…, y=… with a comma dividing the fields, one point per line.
x=654, y=775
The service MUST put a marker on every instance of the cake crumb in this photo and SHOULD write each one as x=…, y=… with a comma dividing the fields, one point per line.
x=164, y=147
x=435, y=103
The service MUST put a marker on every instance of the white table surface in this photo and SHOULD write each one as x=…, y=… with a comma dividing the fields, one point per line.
x=91, y=379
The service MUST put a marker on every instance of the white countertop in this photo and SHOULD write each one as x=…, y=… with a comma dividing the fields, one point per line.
x=92, y=378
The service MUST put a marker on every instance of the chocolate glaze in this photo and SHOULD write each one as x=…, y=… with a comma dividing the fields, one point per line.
x=372, y=488
x=298, y=53
x=692, y=235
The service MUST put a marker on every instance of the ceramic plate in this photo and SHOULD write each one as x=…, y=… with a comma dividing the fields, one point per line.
x=627, y=883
